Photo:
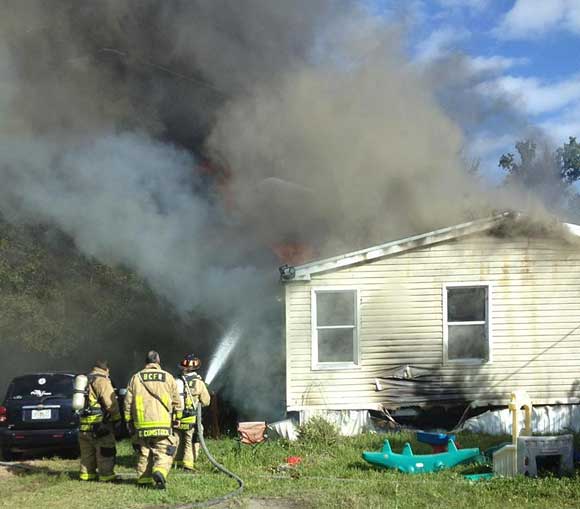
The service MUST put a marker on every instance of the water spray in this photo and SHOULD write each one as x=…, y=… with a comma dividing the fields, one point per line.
x=224, y=350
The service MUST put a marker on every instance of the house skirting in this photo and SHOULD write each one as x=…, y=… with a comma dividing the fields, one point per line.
x=348, y=422
x=548, y=419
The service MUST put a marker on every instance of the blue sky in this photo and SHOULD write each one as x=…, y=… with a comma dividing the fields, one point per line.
x=523, y=52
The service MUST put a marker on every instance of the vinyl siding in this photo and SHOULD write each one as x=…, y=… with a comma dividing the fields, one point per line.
x=535, y=313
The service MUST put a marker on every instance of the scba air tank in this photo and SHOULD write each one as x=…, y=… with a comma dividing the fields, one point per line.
x=79, y=394
x=181, y=390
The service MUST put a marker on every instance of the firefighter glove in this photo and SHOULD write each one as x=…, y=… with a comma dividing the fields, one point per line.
x=101, y=431
x=118, y=430
x=130, y=428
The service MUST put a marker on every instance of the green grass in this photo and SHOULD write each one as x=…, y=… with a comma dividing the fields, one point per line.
x=329, y=476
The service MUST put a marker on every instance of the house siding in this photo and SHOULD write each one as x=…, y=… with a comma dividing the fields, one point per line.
x=535, y=313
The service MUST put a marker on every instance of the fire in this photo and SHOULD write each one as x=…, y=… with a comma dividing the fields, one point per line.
x=293, y=253
x=290, y=252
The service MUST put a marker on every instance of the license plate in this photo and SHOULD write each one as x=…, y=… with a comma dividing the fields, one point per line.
x=41, y=414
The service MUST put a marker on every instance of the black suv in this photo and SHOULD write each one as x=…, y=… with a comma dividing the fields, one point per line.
x=37, y=415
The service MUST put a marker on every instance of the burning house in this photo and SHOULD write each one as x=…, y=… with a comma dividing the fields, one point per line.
x=460, y=315
x=198, y=145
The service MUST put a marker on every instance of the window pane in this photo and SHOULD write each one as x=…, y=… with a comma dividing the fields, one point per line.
x=335, y=345
x=466, y=304
x=38, y=386
x=467, y=342
x=335, y=308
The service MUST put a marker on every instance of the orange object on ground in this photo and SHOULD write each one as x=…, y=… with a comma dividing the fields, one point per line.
x=252, y=433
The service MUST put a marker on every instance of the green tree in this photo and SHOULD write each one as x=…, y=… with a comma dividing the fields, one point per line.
x=568, y=160
x=548, y=173
x=61, y=310
x=54, y=300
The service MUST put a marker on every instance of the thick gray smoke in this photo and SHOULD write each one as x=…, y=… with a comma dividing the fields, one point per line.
x=128, y=199
x=330, y=139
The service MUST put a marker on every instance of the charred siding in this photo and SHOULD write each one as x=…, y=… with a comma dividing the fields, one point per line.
x=535, y=319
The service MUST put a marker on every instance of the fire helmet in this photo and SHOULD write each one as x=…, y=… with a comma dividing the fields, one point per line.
x=190, y=361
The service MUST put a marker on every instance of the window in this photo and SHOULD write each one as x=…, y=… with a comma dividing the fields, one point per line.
x=334, y=328
x=466, y=334
x=38, y=386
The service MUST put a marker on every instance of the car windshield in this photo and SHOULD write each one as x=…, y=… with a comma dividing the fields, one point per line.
x=41, y=387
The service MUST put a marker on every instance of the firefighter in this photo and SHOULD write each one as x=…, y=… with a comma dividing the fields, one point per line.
x=152, y=409
x=194, y=392
x=99, y=422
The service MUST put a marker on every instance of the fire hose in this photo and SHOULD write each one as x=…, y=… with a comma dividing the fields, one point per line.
x=221, y=468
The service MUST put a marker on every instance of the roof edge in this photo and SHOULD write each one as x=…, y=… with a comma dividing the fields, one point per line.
x=304, y=272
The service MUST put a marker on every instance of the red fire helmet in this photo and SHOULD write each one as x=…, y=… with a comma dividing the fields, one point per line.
x=190, y=361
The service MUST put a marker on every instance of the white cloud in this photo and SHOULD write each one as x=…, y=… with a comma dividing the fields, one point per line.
x=555, y=106
x=561, y=127
x=529, y=18
x=533, y=95
x=495, y=63
x=439, y=43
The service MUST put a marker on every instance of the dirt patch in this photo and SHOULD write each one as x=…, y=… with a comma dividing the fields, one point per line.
x=23, y=468
x=6, y=472
x=263, y=503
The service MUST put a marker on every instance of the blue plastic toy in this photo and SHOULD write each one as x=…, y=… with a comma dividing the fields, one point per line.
x=434, y=438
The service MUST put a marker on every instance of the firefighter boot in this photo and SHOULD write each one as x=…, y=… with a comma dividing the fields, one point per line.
x=163, y=450
x=159, y=480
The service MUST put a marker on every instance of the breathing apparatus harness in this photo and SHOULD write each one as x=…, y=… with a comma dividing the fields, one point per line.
x=82, y=406
x=155, y=396
x=189, y=412
x=82, y=387
x=88, y=410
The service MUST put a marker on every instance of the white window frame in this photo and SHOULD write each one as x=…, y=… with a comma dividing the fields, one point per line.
x=355, y=364
x=489, y=314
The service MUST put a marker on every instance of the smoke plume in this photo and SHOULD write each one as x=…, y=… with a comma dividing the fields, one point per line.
x=321, y=132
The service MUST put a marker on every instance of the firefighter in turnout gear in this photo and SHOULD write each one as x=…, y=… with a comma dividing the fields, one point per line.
x=98, y=421
x=152, y=409
x=193, y=392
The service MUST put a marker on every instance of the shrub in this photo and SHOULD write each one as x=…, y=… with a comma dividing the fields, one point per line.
x=318, y=430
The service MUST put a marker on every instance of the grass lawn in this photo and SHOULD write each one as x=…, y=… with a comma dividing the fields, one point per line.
x=329, y=476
